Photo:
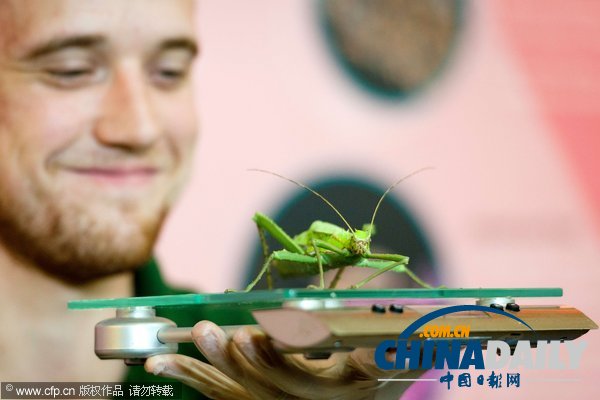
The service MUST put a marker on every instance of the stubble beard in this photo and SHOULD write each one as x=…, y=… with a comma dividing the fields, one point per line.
x=79, y=241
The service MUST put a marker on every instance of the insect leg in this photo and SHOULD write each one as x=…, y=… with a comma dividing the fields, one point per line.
x=335, y=249
x=390, y=267
x=266, y=266
x=317, y=243
x=418, y=280
x=266, y=224
x=265, y=248
x=402, y=260
x=320, y=263
x=376, y=274
x=390, y=257
x=336, y=278
x=328, y=246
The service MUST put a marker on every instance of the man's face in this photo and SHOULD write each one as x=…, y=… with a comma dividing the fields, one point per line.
x=96, y=129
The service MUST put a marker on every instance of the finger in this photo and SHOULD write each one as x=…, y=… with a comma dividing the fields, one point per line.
x=257, y=382
x=331, y=367
x=213, y=342
x=361, y=365
x=254, y=348
x=201, y=376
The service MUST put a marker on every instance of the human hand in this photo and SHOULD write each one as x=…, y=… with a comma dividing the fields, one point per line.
x=246, y=366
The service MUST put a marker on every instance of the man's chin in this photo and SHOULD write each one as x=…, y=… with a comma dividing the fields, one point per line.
x=79, y=240
x=98, y=254
x=74, y=256
x=83, y=276
x=83, y=272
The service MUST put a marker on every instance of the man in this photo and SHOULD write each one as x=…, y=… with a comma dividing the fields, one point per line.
x=97, y=126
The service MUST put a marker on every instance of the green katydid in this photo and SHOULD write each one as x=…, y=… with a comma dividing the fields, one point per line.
x=325, y=246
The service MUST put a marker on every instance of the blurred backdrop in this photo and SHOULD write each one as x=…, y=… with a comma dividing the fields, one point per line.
x=501, y=97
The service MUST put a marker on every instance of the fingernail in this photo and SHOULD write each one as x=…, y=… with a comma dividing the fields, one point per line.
x=160, y=369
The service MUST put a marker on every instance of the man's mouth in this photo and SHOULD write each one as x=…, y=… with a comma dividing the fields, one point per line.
x=117, y=175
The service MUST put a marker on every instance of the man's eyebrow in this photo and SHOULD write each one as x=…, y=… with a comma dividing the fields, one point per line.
x=87, y=41
x=57, y=44
x=180, y=43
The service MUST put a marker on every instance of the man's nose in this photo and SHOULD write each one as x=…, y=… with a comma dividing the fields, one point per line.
x=129, y=117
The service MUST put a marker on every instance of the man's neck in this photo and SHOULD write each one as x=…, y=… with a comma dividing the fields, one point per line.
x=40, y=339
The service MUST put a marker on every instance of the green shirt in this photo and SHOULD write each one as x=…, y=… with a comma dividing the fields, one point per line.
x=148, y=282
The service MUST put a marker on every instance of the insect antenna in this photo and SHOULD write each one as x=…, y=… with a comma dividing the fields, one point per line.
x=389, y=189
x=309, y=189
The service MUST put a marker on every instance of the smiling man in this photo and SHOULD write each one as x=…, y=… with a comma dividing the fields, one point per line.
x=96, y=130
x=97, y=127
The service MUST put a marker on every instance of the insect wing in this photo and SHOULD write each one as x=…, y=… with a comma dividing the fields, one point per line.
x=331, y=233
x=303, y=238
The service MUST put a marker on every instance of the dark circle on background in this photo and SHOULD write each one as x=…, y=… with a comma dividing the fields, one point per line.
x=393, y=48
x=397, y=231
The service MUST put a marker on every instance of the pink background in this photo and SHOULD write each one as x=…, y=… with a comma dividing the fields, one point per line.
x=511, y=126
